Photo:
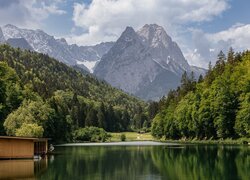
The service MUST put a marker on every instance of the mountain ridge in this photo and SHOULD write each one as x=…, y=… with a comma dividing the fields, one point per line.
x=134, y=63
x=57, y=48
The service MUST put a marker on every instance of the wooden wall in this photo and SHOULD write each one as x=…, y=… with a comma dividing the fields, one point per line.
x=16, y=148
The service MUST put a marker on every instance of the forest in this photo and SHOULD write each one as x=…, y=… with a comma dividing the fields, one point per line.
x=41, y=97
x=216, y=106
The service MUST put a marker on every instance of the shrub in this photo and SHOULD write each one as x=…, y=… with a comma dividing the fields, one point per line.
x=92, y=134
x=123, y=137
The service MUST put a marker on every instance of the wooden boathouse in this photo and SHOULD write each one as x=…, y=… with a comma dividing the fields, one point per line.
x=22, y=147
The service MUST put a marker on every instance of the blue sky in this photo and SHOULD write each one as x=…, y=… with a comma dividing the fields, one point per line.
x=201, y=28
x=237, y=13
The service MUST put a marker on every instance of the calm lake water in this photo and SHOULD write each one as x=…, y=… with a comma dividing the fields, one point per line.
x=135, y=162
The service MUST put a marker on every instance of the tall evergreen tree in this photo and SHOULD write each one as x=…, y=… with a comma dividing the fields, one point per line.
x=101, y=117
x=230, y=56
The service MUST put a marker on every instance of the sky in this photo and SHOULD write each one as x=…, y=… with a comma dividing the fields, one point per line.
x=200, y=27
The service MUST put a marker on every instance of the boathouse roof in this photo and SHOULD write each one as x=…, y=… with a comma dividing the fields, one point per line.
x=24, y=138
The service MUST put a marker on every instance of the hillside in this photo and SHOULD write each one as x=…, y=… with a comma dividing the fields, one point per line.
x=70, y=99
x=216, y=107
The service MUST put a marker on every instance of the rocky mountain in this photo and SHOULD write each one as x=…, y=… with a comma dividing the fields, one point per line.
x=86, y=56
x=2, y=39
x=198, y=71
x=19, y=42
x=146, y=63
x=89, y=56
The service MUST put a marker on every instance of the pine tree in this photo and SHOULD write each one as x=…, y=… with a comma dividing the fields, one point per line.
x=101, y=117
x=200, y=79
x=91, y=118
x=230, y=56
x=153, y=109
x=220, y=63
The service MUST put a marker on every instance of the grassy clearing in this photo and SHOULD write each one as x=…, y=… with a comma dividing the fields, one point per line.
x=210, y=141
x=131, y=136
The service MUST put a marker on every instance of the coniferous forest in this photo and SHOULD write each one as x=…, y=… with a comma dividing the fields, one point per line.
x=40, y=96
x=216, y=106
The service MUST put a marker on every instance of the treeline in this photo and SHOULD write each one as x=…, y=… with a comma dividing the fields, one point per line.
x=40, y=96
x=216, y=106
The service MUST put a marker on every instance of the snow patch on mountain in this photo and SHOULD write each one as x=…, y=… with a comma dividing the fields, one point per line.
x=89, y=64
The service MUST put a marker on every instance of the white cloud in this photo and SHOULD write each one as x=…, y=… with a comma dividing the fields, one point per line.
x=51, y=9
x=28, y=14
x=238, y=36
x=106, y=19
x=207, y=46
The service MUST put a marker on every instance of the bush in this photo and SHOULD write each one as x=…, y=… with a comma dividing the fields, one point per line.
x=92, y=134
x=123, y=137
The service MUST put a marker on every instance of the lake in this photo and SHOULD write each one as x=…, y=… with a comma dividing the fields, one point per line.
x=135, y=161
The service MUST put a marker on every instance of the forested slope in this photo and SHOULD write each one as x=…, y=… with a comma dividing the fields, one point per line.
x=217, y=106
x=44, y=97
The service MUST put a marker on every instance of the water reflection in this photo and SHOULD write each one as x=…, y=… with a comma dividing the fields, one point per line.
x=22, y=169
x=153, y=162
x=204, y=162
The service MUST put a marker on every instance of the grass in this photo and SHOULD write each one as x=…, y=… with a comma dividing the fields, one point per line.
x=134, y=136
x=131, y=136
x=209, y=141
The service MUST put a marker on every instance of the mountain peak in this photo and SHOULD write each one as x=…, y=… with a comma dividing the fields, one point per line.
x=62, y=41
x=152, y=26
x=10, y=26
x=154, y=35
x=40, y=31
x=128, y=31
x=128, y=35
x=11, y=31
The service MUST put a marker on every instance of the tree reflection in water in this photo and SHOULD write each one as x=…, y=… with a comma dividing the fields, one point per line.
x=151, y=162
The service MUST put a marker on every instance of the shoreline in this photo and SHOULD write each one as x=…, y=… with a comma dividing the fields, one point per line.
x=134, y=136
x=155, y=142
x=241, y=141
x=122, y=143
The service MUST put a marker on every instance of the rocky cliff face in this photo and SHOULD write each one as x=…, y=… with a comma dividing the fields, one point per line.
x=57, y=48
x=19, y=43
x=146, y=63
x=2, y=39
